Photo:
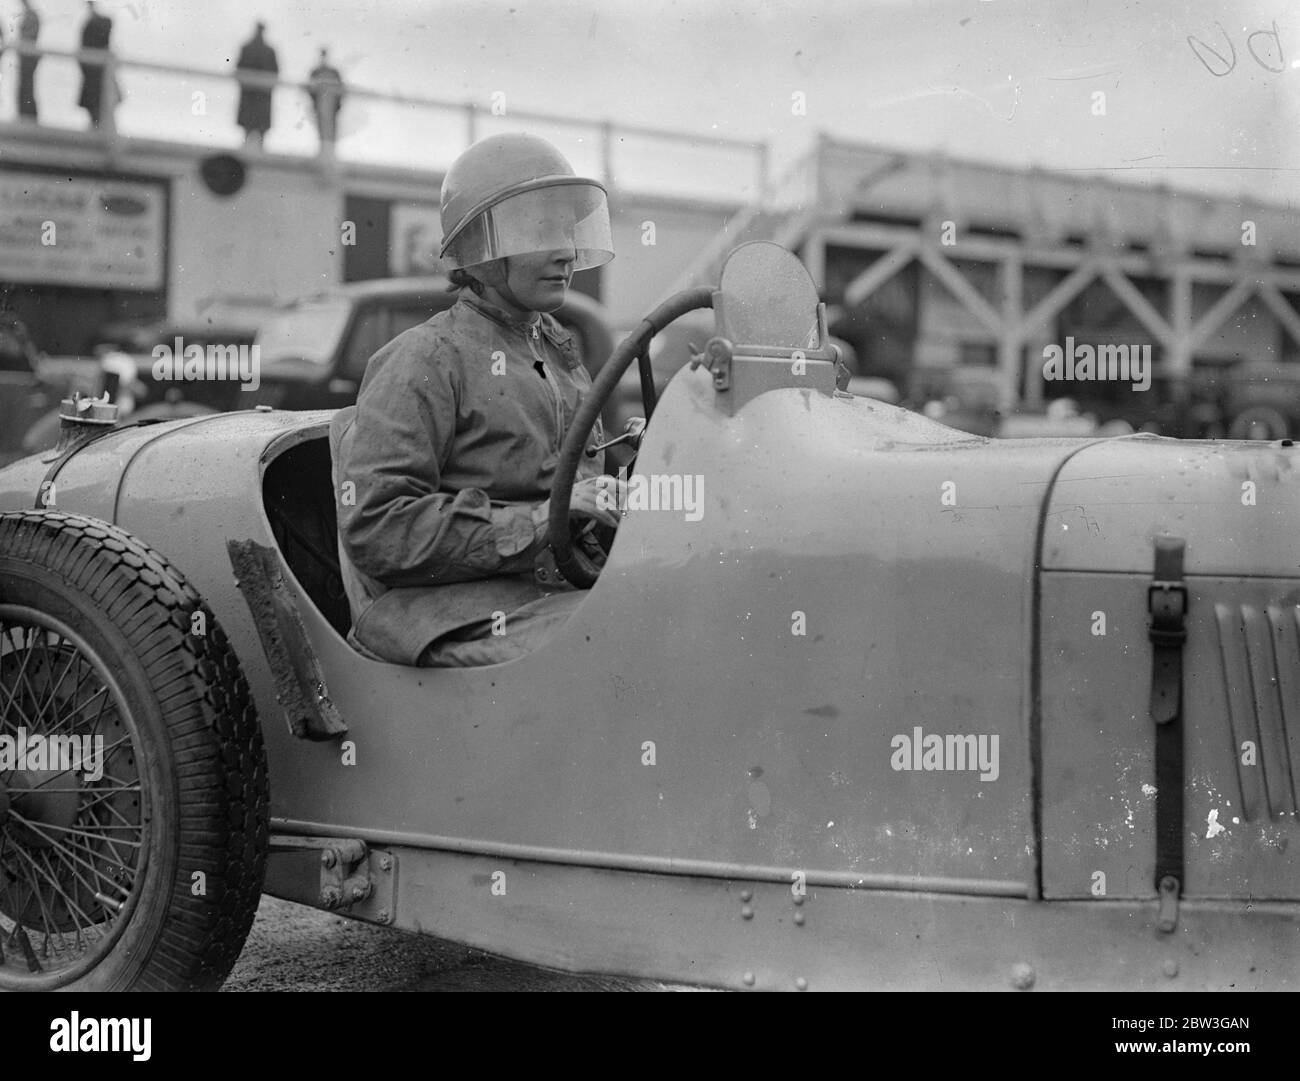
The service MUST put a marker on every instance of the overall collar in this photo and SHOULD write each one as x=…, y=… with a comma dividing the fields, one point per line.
x=498, y=314
x=550, y=328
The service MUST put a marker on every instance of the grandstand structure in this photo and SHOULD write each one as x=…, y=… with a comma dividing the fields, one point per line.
x=949, y=274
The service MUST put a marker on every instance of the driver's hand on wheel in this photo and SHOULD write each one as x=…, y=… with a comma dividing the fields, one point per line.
x=600, y=498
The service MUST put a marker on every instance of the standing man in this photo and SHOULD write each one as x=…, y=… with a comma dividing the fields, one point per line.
x=94, y=35
x=255, y=102
x=29, y=28
x=326, y=89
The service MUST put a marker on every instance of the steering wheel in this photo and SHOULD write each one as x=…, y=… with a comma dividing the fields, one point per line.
x=569, y=561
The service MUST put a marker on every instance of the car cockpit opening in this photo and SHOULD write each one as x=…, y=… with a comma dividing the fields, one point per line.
x=298, y=495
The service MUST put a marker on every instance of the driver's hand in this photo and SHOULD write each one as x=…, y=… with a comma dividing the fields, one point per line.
x=600, y=498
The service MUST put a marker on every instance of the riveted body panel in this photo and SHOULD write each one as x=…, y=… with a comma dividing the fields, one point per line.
x=1236, y=503
x=1237, y=507
x=677, y=644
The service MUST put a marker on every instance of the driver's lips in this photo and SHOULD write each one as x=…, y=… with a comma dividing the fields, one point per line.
x=551, y=289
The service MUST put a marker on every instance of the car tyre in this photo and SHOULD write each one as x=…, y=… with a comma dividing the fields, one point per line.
x=148, y=877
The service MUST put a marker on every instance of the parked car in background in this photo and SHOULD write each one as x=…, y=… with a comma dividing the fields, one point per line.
x=313, y=352
x=24, y=393
x=1261, y=400
x=135, y=381
x=122, y=366
x=309, y=354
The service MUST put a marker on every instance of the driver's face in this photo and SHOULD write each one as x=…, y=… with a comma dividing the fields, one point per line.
x=540, y=280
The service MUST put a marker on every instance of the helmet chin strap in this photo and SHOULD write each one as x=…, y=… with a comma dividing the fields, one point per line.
x=495, y=277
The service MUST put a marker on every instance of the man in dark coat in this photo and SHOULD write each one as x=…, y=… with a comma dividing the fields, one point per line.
x=94, y=35
x=255, y=102
x=29, y=28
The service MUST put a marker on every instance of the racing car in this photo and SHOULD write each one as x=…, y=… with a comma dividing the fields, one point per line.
x=880, y=705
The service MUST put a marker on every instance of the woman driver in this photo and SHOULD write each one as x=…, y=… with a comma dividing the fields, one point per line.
x=459, y=422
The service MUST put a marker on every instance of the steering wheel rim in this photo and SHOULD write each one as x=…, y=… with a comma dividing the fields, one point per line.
x=570, y=562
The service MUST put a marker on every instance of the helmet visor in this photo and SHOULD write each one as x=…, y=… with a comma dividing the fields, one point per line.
x=551, y=218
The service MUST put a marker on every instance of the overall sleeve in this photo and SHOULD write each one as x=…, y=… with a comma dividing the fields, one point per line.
x=403, y=531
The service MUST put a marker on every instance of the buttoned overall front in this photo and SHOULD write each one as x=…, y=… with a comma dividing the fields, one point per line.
x=440, y=472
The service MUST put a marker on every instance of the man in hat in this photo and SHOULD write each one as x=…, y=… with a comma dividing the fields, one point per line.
x=29, y=29
x=255, y=101
x=95, y=34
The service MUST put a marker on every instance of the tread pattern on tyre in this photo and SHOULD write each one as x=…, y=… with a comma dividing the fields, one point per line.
x=211, y=721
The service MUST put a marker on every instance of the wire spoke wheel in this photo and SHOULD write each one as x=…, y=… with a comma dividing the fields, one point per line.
x=73, y=819
x=133, y=787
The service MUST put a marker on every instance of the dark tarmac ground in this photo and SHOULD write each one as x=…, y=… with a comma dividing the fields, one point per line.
x=295, y=948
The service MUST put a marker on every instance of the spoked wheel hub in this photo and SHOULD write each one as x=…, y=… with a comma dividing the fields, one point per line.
x=48, y=800
x=73, y=816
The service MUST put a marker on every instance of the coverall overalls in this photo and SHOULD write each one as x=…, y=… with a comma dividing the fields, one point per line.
x=451, y=450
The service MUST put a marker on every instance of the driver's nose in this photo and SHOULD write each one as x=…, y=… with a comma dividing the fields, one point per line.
x=566, y=257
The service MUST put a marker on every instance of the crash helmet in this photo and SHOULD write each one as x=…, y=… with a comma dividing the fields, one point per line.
x=514, y=194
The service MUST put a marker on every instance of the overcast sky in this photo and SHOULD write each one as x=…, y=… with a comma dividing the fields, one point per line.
x=1008, y=81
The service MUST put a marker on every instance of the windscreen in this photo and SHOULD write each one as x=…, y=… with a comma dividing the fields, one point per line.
x=769, y=298
x=309, y=330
